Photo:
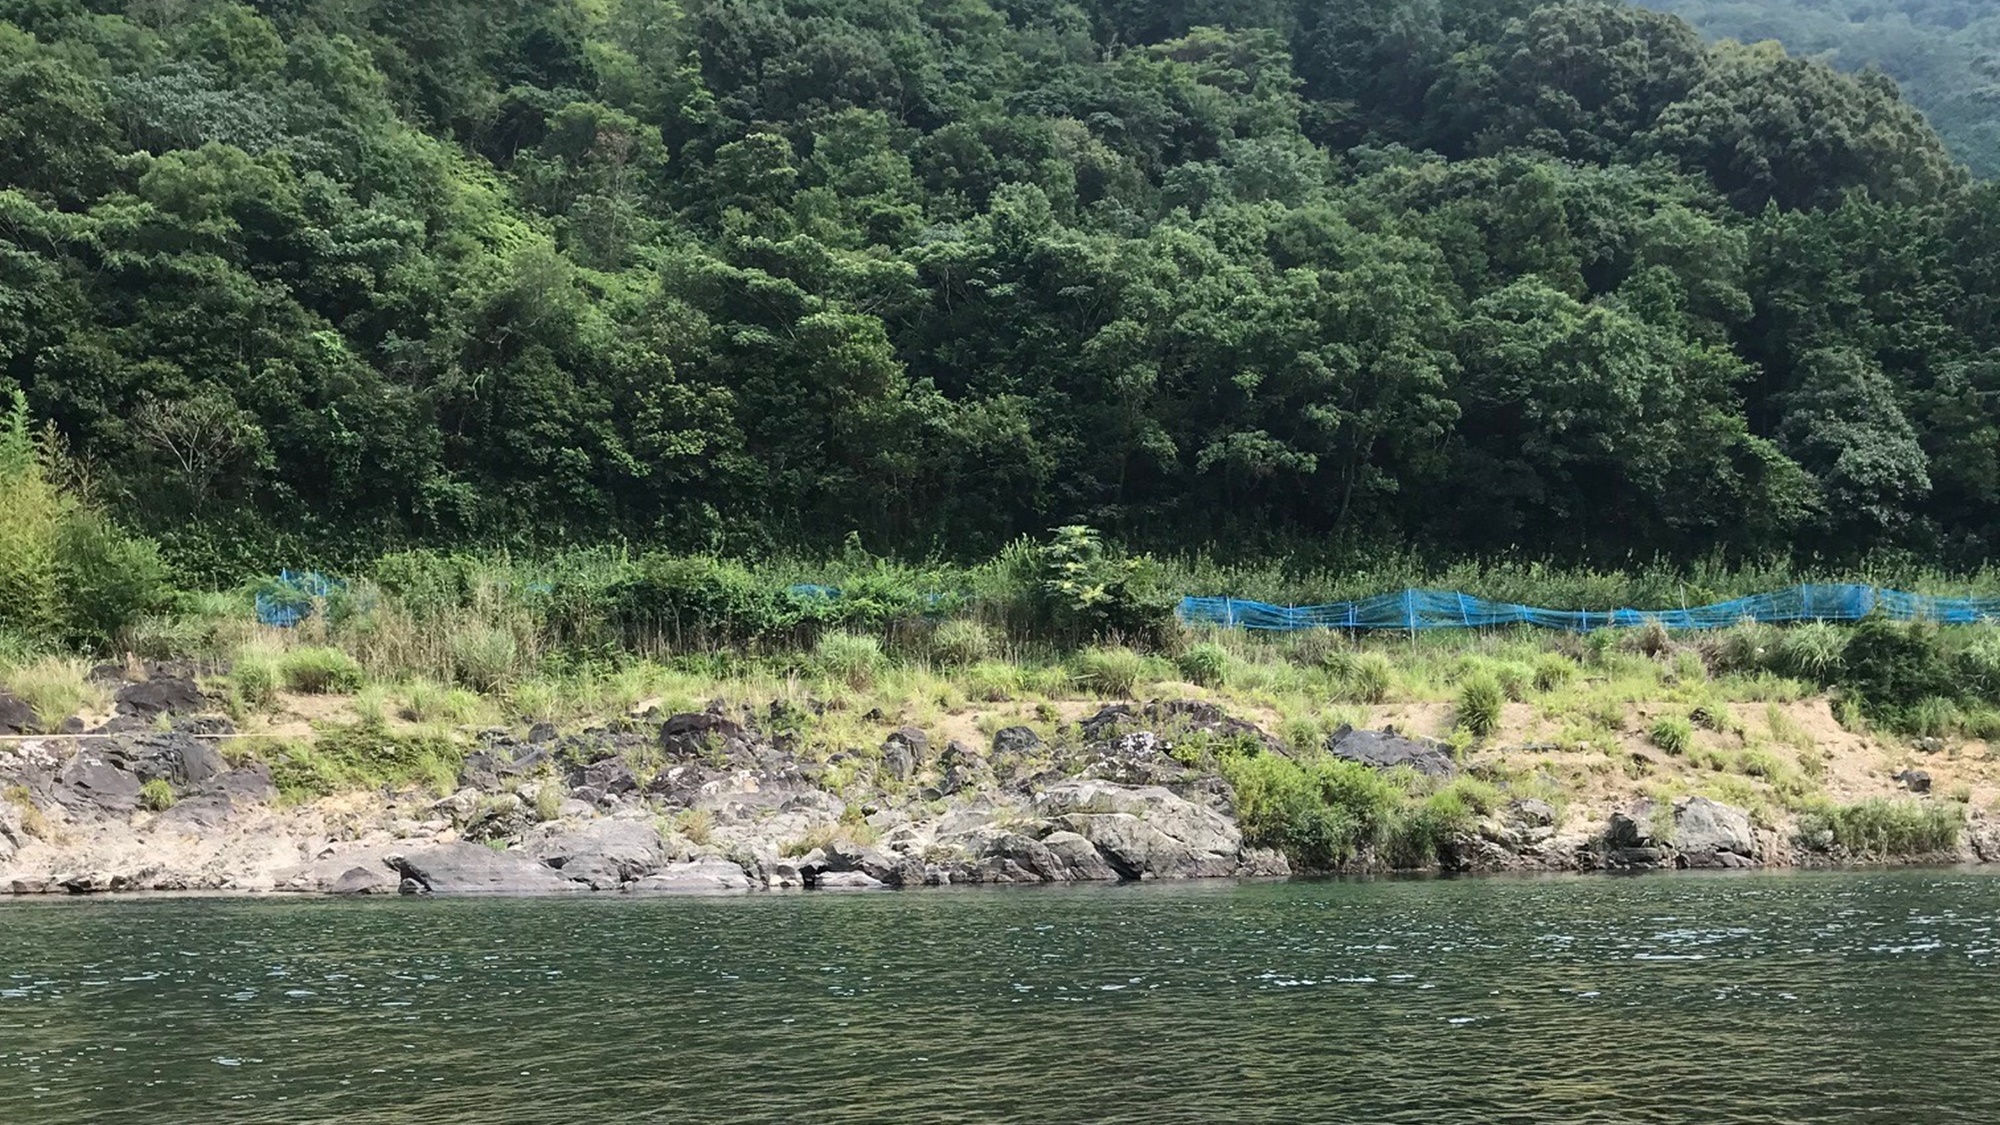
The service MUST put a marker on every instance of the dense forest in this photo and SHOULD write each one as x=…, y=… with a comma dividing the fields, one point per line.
x=1478, y=277
x=1945, y=54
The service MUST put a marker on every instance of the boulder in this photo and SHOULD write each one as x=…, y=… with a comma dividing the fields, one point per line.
x=897, y=761
x=610, y=777
x=201, y=813
x=1149, y=832
x=1175, y=718
x=16, y=717
x=1711, y=834
x=180, y=760
x=247, y=784
x=91, y=780
x=1386, y=749
x=847, y=881
x=705, y=736
x=1631, y=839
x=606, y=854
x=366, y=880
x=541, y=733
x=1916, y=781
x=701, y=875
x=464, y=869
x=1016, y=742
x=963, y=769
x=162, y=695
x=1059, y=857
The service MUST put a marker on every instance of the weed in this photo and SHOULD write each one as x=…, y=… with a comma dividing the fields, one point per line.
x=1366, y=678
x=698, y=825
x=1206, y=664
x=1479, y=705
x=483, y=656
x=1673, y=734
x=1110, y=671
x=317, y=670
x=1553, y=671
x=1882, y=827
x=157, y=795
x=960, y=642
x=54, y=688
x=854, y=659
x=548, y=801
x=1813, y=651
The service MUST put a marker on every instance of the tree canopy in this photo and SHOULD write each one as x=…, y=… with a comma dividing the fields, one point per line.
x=1475, y=276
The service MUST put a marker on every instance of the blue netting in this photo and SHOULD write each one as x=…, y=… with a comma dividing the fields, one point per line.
x=289, y=600
x=1445, y=609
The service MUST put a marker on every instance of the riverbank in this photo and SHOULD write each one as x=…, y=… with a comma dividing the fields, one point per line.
x=163, y=788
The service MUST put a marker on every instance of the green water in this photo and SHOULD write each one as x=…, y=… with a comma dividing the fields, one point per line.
x=1761, y=998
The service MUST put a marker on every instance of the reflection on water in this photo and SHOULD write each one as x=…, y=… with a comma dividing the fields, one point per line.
x=1763, y=998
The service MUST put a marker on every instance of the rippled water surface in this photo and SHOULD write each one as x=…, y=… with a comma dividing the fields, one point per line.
x=1767, y=998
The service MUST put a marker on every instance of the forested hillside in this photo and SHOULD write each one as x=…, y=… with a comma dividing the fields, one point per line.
x=1945, y=54
x=1476, y=276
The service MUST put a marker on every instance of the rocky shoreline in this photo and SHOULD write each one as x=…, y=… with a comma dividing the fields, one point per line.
x=722, y=803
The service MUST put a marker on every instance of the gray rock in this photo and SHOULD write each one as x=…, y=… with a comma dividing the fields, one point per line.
x=1386, y=749
x=16, y=717
x=362, y=880
x=1149, y=832
x=897, y=761
x=465, y=869
x=91, y=780
x=179, y=760
x=1531, y=813
x=247, y=784
x=541, y=733
x=847, y=881
x=1017, y=742
x=611, y=777
x=702, y=875
x=1059, y=857
x=1705, y=831
x=606, y=854
x=1916, y=781
x=162, y=695
x=201, y=813
x=914, y=741
x=706, y=736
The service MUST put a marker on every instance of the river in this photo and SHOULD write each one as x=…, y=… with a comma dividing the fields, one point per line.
x=1851, y=997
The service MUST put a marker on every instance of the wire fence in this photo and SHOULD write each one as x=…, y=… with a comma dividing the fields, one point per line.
x=1447, y=609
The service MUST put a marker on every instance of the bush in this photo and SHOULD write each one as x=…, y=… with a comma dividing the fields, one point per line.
x=1479, y=705
x=1085, y=589
x=1206, y=664
x=1673, y=734
x=1979, y=665
x=1881, y=827
x=54, y=688
x=157, y=795
x=1891, y=666
x=1322, y=815
x=1364, y=677
x=319, y=671
x=254, y=673
x=483, y=656
x=853, y=658
x=1812, y=651
x=960, y=642
x=1932, y=717
x=1553, y=671
x=426, y=702
x=1110, y=671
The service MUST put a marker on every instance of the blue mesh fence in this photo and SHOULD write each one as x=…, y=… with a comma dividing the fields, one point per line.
x=289, y=600
x=1446, y=609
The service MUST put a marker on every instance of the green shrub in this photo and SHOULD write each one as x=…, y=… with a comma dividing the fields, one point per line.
x=548, y=802
x=1087, y=589
x=365, y=756
x=1110, y=671
x=54, y=688
x=157, y=795
x=1812, y=651
x=427, y=702
x=960, y=643
x=1881, y=827
x=992, y=681
x=1673, y=734
x=1745, y=647
x=1365, y=677
x=1480, y=701
x=1553, y=671
x=1932, y=717
x=1206, y=664
x=1891, y=665
x=319, y=670
x=853, y=658
x=254, y=673
x=1978, y=664
x=1323, y=815
x=483, y=656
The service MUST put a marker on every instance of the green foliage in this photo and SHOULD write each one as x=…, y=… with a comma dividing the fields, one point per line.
x=317, y=670
x=1093, y=591
x=1672, y=733
x=1891, y=666
x=365, y=756
x=1883, y=828
x=1364, y=677
x=53, y=687
x=961, y=642
x=1553, y=671
x=1813, y=651
x=1206, y=664
x=483, y=657
x=156, y=795
x=853, y=658
x=1480, y=700
x=1112, y=672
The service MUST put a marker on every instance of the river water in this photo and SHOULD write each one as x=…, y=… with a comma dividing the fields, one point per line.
x=1741, y=998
